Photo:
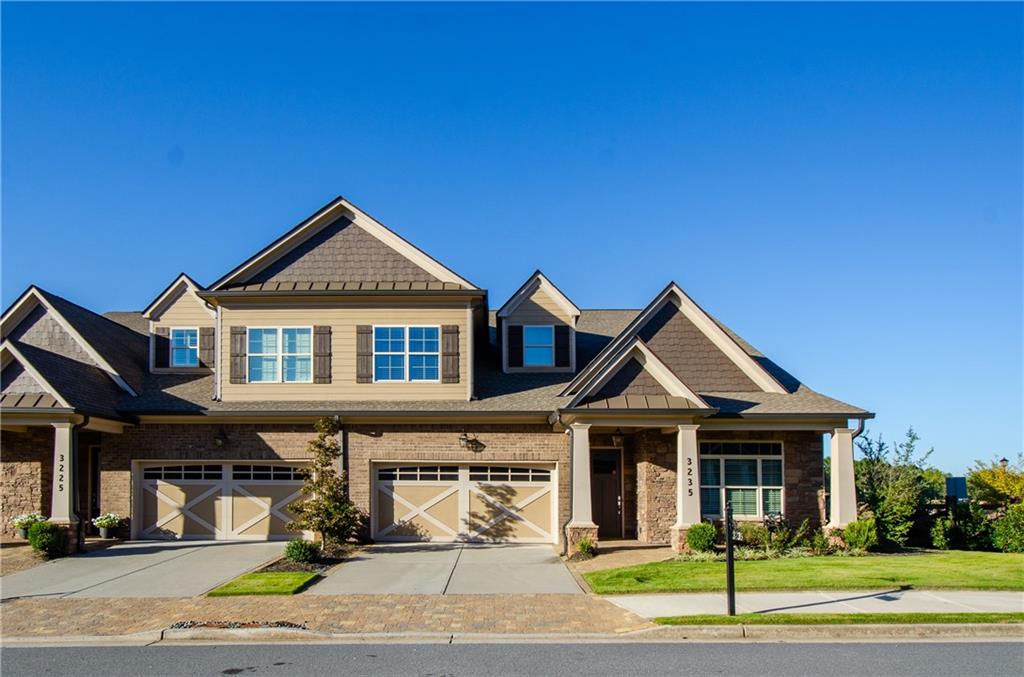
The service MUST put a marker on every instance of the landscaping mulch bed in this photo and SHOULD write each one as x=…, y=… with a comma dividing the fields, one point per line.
x=237, y=625
x=327, y=560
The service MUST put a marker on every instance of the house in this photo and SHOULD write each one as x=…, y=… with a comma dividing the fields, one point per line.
x=540, y=422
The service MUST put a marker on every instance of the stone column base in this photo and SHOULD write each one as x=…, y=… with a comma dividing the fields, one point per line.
x=679, y=539
x=72, y=544
x=575, y=534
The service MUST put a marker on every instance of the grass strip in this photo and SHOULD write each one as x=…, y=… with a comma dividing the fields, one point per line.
x=842, y=619
x=958, y=570
x=265, y=583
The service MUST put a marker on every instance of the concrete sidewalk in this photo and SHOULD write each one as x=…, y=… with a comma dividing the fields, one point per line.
x=888, y=601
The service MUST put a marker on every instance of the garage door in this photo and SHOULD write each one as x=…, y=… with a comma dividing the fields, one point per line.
x=221, y=501
x=511, y=504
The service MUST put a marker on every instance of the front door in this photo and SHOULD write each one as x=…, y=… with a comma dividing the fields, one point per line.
x=606, y=492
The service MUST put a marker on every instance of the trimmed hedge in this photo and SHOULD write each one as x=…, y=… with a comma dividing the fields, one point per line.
x=48, y=539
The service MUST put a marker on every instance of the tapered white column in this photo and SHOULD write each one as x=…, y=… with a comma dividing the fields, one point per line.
x=582, y=515
x=687, y=477
x=61, y=509
x=843, y=489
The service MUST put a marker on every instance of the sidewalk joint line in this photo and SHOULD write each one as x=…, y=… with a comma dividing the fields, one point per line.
x=451, y=573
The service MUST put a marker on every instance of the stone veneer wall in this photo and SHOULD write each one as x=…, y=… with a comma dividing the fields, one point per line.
x=656, y=476
x=26, y=472
x=193, y=442
x=440, y=444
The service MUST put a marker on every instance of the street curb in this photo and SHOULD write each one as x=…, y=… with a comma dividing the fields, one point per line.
x=733, y=633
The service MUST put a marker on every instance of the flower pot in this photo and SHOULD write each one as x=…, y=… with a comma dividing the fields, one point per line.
x=104, y=532
x=22, y=533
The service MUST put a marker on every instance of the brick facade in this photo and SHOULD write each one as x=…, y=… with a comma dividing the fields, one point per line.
x=26, y=474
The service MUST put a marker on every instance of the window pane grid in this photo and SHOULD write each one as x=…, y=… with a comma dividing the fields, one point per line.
x=280, y=355
x=184, y=347
x=396, y=348
x=738, y=472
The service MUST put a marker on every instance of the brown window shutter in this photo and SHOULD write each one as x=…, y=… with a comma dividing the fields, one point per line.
x=321, y=354
x=561, y=345
x=515, y=345
x=206, y=351
x=450, y=353
x=162, y=347
x=364, y=354
x=238, y=354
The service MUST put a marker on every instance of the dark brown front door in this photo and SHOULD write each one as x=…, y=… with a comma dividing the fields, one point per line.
x=606, y=492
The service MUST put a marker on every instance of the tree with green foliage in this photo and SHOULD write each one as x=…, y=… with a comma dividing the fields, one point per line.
x=994, y=482
x=325, y=507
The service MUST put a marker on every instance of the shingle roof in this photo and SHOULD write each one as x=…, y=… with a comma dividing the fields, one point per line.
x=325, y=286
x=87, y=388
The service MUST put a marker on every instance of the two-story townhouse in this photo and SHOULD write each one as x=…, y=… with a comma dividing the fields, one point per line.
x=540, y=422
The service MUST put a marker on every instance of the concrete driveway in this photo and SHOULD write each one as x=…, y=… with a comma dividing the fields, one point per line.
x=142, y=569
x=451, y=569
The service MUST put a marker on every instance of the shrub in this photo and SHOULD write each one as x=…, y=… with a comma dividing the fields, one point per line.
x=48, y=538
x=585, y=546
x=1008, y=531
x=967, y=528
x=701, y=537
x=782, y=537
x=995, y=483
x=27, y=520
x=753, y=534
x=299, y=550
x=861, y=535
x=820, y=543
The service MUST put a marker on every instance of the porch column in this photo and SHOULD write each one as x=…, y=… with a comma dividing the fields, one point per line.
x=687, y=484
x=581, y=524
x=843, y=490
x=61, y=509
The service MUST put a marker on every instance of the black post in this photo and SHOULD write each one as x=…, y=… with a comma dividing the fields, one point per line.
x=730, y=572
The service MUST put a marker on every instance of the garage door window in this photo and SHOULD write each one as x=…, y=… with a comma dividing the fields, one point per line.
x=183, y=472
x=421, y=473
x=266, y=472
x=496, y=473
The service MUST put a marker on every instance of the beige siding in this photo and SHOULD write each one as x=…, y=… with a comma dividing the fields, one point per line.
x=185, y=310
x=343, y=322
x=540, y=308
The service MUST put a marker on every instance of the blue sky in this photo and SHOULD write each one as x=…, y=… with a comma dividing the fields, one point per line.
x=841, y=184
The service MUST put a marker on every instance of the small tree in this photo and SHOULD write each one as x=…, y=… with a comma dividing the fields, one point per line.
x=995, y=483
x=325, y=508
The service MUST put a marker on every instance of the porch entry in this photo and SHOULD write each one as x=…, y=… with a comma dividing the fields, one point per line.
x=606, y=489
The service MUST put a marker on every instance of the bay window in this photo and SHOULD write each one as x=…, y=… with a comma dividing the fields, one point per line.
x=747, y=474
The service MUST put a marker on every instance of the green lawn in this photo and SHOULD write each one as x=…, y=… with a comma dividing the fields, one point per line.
x=937, y=569
x=841, y=619
x=265, y=583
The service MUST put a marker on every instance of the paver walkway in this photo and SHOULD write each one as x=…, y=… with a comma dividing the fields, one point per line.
x=833, y=602
x=499, y=614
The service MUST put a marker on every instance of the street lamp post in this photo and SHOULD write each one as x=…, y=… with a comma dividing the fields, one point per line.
x=730, y=572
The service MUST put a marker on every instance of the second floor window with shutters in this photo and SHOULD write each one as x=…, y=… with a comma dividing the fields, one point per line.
x=185, y=347
x=280, y=355
x=538, y=346
x=406, y=353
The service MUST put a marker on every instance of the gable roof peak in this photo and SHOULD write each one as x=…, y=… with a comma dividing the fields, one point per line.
x=182, y=278
x=536, y=281
x=338, y=208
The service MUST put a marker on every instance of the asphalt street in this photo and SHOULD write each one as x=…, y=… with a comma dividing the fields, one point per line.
x=907, y=659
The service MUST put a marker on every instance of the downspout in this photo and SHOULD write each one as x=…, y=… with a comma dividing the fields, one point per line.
x=565, y=526
x=216, y=357
x=859, y=430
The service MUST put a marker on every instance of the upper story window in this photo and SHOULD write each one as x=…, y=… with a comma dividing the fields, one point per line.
x=406, y=353
x=538, y=346
x=185, y=347
x=280, y=355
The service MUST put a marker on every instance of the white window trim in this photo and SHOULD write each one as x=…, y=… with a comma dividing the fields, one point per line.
x=170, y=349
x=280, y=355
x=406, y=353
x=760, y=487
x=526, y=345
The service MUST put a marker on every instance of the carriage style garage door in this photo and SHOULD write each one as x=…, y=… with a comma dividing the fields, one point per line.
x=222, y=501
x=507, y=504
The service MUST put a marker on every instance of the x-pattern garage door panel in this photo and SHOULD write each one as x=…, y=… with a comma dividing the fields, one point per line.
x=218, y=501
x=464, y=503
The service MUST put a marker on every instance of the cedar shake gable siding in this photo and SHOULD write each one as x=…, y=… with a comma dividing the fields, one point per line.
x=688, y=352
x=631, y=379
x=341, y=252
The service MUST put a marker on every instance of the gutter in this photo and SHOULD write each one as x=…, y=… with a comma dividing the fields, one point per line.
x=458, y=293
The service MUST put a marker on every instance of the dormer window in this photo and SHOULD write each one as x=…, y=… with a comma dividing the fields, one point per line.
x=185, y=347
x=539, y=346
